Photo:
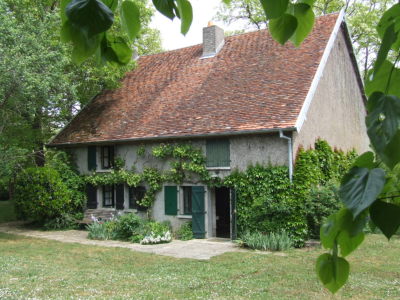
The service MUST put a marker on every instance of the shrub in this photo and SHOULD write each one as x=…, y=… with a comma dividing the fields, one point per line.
x=156, y=233
x=98, y=231
x=185, y=233
x=41, y=195
x=273, y=241
x=63, y=164
x=63, y=222
x=127, y=226
x=321, y=202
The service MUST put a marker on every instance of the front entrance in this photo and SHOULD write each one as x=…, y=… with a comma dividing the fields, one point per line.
x=223, y=212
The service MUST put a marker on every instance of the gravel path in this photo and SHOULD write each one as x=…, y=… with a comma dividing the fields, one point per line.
x=195, y=249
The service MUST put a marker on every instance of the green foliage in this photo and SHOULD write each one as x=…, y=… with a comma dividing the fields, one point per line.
x=273, y=241
x=184, y=233
x=360, y=188
x=265, y=202
x=320, y=203
x=333, y=271
x=98, y=231
x=63, y=222
x=185, y=161
x=127, y=225
x=41, y=195
x=98, y=28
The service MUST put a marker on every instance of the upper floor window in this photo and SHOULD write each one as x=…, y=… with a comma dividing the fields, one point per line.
x=107, y=157
x=218, y=153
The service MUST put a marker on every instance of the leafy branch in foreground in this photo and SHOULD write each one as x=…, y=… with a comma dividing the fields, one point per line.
x=90, y=26
x=364, y=188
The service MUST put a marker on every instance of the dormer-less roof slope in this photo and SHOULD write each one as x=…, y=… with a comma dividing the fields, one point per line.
x=252, y=84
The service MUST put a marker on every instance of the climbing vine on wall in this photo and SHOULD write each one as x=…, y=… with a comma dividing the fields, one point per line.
x=186, y=163
x=266, y=200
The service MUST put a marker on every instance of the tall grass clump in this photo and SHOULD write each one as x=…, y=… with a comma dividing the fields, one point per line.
x=274, y=241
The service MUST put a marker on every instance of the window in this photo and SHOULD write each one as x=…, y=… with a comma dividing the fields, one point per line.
x=218, y=153
x=107, y=157
x=108, y=196
x=136, y=194
x=187, y=200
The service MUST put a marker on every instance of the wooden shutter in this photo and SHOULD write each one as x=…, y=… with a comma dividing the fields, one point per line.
x=120, y=195
x=91, y=193
x=92, y=164
x=218, y=153
x=171, y=200
x=198, y=212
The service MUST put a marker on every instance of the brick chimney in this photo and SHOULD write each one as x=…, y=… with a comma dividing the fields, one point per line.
x=213, y=40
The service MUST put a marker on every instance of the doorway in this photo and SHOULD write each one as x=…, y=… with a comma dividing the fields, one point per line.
x=222, y=212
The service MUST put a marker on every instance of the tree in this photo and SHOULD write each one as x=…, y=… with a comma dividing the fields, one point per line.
x=41, y=89
x=362, y=17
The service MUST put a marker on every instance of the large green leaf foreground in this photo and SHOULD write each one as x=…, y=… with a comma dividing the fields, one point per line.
x=367, y=191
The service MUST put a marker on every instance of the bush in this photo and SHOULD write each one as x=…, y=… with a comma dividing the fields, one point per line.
x=321, y=202
x=98, y=231
x=272, y=241
x=185, y=233
x=64, y=222
x=156, y=233
x=130, y=227
x=41, y=195
x=127, y=226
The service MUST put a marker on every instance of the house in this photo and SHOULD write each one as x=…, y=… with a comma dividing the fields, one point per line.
x=243, y=100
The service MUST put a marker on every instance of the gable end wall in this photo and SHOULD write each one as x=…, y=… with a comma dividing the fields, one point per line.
x=337, y=112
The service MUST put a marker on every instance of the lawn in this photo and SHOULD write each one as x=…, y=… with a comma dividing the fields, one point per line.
x=7, y=213
x=42, y=269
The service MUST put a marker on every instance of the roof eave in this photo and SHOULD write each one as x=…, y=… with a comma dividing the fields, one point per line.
x=176, y=137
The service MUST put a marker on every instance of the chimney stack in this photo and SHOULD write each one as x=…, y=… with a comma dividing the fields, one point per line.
x=213, y=40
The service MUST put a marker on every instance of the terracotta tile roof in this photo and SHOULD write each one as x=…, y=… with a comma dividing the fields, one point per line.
x=252, y=84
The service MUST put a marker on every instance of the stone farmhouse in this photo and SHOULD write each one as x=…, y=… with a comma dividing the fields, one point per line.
x=242, y=99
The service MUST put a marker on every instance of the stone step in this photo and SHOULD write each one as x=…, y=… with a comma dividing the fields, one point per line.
x=100, y=214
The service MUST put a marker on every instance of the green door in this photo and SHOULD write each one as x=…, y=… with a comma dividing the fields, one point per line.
x=198, y=212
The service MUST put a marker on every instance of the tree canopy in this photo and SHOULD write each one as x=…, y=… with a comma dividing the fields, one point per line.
x=41, y=89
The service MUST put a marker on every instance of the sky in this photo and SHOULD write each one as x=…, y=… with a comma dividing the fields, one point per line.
x=203, y=11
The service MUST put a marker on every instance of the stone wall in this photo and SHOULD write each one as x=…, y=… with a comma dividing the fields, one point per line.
x=337, y=111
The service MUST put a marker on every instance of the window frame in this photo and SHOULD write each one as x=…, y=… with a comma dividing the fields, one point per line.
x=112, y=194
x=107, y=157
x=137, y=189
x=187, y=195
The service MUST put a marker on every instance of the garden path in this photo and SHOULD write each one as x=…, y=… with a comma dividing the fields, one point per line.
x=195, y=249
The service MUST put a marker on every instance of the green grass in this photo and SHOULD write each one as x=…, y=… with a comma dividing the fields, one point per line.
x=42, y=269
x=7, y=213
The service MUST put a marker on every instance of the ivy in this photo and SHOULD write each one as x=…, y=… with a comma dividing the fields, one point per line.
x=186, y=162
x=266, y=200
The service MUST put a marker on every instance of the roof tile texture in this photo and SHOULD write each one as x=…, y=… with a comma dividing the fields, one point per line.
x=253, y=83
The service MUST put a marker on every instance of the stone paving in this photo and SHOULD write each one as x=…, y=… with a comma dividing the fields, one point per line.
x=195, y=249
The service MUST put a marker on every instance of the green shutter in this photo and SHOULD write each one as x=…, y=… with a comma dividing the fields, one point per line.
x=218, y=153
x=92, y=165
x=198, y=212
x=171, y=200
